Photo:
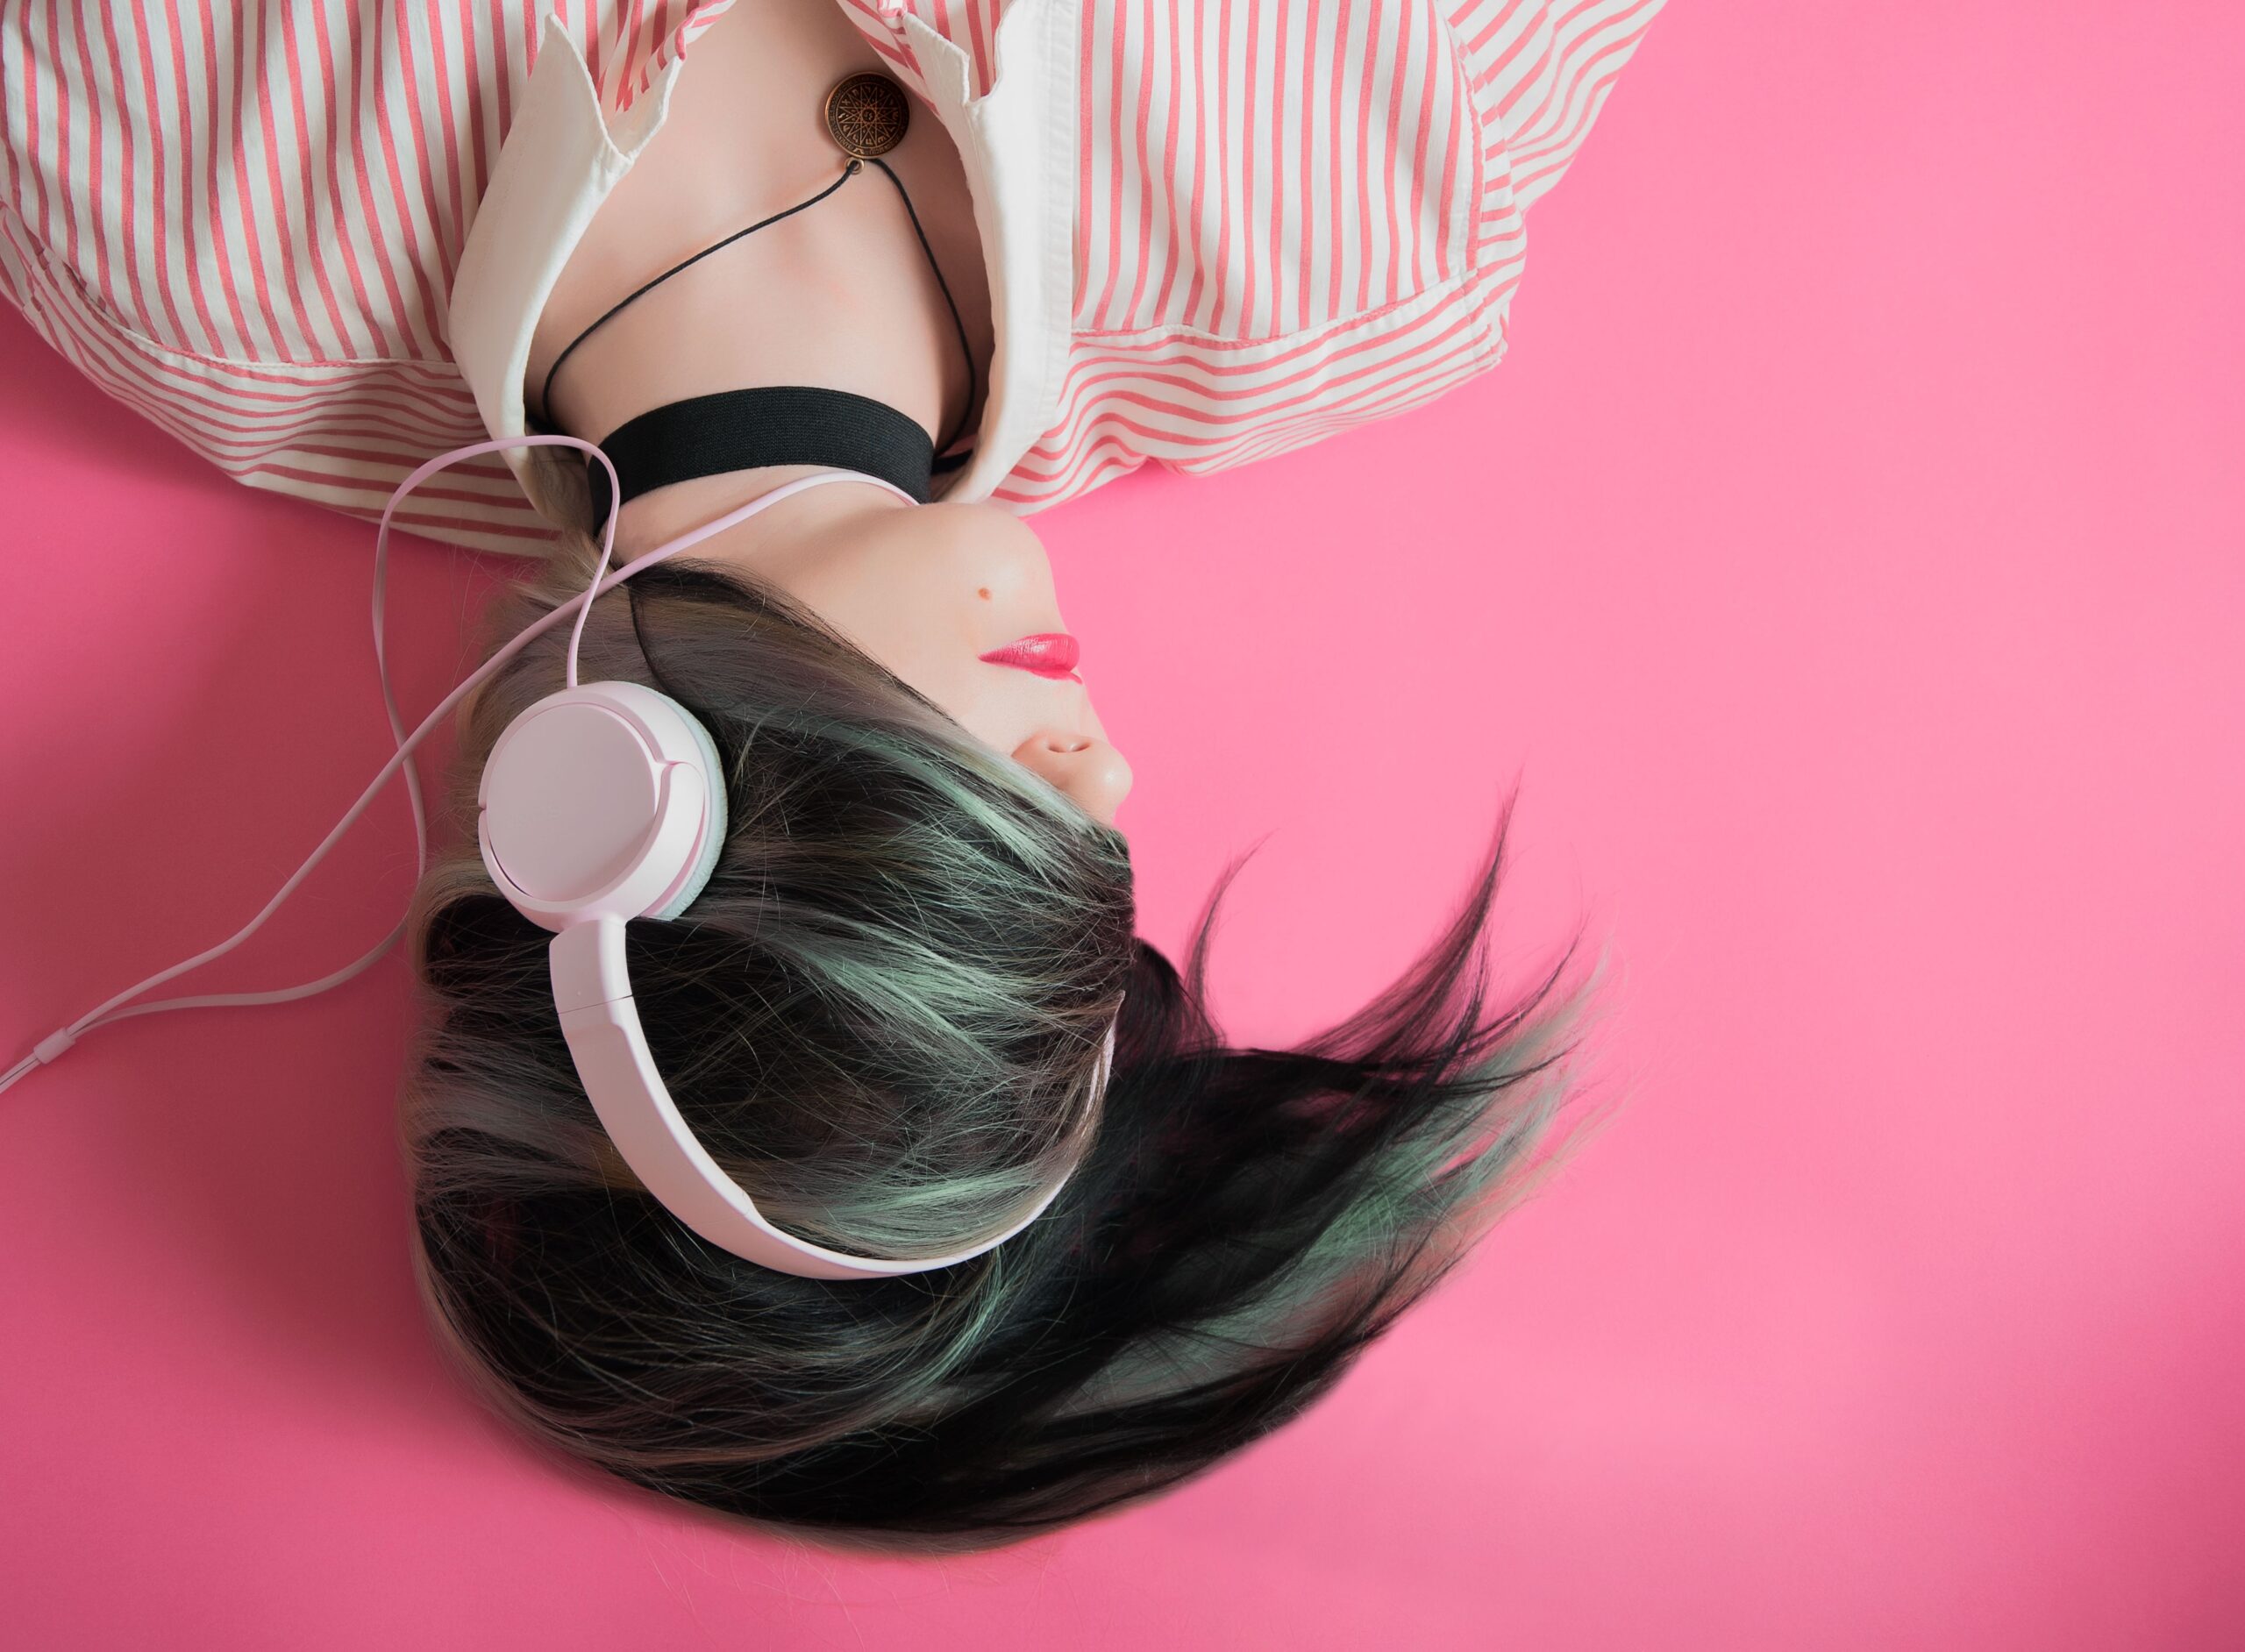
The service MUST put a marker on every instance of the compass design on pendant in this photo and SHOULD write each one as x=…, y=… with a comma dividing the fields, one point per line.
x=867, y=115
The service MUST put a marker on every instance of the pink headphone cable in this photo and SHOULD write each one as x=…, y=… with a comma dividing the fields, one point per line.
x=121, y=1007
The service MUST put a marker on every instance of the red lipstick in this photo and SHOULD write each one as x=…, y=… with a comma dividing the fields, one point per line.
x=1049, y=654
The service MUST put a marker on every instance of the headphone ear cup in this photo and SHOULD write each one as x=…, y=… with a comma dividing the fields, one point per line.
x=603, y=801
x=713, y=823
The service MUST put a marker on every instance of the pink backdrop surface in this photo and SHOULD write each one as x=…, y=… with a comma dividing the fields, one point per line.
x=1847, y=566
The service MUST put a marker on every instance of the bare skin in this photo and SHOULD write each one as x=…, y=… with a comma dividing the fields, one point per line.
x=840, y=296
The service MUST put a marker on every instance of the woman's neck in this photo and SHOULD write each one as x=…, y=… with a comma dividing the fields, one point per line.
x=652, y=519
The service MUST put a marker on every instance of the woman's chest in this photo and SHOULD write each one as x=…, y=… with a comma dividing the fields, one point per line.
x=838, y=294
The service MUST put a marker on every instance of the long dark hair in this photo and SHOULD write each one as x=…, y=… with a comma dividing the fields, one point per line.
x=881, y=1017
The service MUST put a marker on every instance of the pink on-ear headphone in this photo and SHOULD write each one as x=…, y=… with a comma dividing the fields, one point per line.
x=601, y=803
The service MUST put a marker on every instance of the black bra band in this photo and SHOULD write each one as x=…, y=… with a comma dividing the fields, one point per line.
x=768, y=424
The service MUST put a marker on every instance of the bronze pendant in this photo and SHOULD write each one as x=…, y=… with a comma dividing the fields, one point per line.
x=867, y=115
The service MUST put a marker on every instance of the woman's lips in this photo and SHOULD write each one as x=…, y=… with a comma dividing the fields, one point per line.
x=1048, y=653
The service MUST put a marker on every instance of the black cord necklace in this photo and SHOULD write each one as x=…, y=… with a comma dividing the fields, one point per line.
x=867, y=115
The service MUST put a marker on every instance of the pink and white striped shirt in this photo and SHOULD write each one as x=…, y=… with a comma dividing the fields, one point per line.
x=1216, y=229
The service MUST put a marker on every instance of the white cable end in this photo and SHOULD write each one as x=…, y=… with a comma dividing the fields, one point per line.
x=53, y=1045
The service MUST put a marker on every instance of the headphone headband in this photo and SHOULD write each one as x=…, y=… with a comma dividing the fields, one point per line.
x=603, y=803
x=592, y=991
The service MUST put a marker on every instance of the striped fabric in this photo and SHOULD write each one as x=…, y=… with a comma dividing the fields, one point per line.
x=241, y=217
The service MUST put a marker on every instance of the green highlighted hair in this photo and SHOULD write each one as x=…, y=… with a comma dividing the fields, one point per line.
x=883, y=1017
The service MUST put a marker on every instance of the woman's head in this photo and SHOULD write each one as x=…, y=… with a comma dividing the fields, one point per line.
x=910, y=947
x=883, y=1019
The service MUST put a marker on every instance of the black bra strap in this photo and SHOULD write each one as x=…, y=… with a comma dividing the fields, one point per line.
x=768, y=424
x=545, y=390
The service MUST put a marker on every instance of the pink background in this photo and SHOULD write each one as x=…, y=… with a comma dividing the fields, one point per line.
x=1847, y=564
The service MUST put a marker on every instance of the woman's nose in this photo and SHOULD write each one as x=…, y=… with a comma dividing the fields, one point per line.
x=1084, y=766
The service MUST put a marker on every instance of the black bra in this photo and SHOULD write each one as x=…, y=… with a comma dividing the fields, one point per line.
x=769, y=425
x=775, y=423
